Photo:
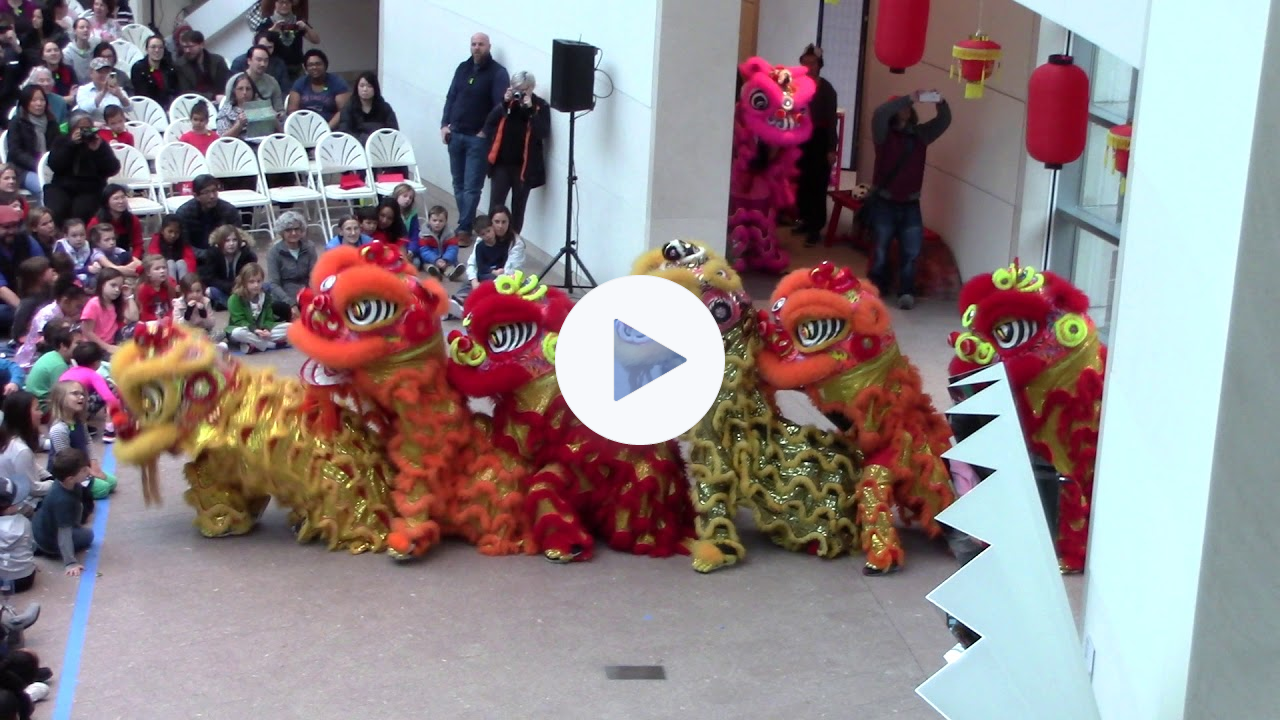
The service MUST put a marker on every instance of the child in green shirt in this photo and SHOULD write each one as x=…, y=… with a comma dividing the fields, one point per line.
x=55, y=361
x=252, y=323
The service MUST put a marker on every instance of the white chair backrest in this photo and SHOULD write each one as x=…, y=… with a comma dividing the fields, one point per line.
x=340, y=152
x=231, y=157
x=389, y=148
x=42, y=169
x=126, y=54
x=280, y=153
x=180, y=109
x=137, y=35
x=180, y=162
x=133, y=166
x=144, y=109
x=176, y=130
x=4, y=146
x=146, y=138
x=307, y=128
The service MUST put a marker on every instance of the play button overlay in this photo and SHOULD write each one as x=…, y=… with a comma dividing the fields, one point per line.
x=640, y=360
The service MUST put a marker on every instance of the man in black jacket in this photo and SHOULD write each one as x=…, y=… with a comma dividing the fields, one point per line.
x=478, y=86
x=206, y=213
x=819, y=153
x=13, y=72
x=200, y=71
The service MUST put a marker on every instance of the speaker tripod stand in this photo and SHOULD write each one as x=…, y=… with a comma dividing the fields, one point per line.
x=569, y=252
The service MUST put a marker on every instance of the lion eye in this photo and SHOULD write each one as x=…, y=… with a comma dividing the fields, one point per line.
x=759, y=100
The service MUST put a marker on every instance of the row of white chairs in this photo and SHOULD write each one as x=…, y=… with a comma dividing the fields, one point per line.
x=144, y=109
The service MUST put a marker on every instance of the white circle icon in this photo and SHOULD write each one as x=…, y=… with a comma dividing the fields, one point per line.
x=640, y=360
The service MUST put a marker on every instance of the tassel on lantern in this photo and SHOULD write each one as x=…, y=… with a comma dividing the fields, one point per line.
x=1118, y=140
x=976, y=59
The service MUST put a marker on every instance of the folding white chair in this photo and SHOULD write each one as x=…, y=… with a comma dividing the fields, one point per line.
x=176, y=130
x=126, y=55
x=233, y=158
x=137, y=35
x=4, y=146
x=178, y=163
x=281, y=154
x=180, y=108
x=388, y=148
x=341, y=153
x=307, y=128
x=146, y=139
x=42, y=169
x=144, y=109
x=135, y=174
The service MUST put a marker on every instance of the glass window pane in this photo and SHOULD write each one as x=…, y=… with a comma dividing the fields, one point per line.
x=1092, y=267
x=1111, y=85
x=1099, y=184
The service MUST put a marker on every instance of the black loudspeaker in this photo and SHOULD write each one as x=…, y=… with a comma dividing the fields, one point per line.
x=573, y=75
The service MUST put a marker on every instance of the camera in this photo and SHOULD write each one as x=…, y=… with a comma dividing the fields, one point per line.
x=517, y=95
x=86, y=133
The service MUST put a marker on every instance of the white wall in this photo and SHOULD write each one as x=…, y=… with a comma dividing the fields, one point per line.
x=1117, y=26
x=615, y=143
x=982, y=193
x=1162, y=409
x=786, y=26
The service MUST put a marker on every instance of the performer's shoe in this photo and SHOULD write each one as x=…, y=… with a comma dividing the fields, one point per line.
x=906, y=301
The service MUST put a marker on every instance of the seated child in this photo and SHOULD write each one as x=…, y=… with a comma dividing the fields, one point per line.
x=253, y=322
x=348, y=233
x=35, y=288
x=68, y=428
x=192, y=307
x=17, y=549
x=438, y=251
x=109, y=317
x=57, y=526
x=76, y=245
x=499, y=252
x=107, y=255
x=68, y=302
x=87, y=371
x=169, y=244
x=58, y=342
x=199, y=136
x=368, y=220
x=114, y=128
x=230, y=249
x=157, y=291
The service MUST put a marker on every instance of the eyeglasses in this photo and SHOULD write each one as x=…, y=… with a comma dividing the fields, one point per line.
x=294, y=230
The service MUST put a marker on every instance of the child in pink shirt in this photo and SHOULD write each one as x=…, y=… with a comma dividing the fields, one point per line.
x=88, y=358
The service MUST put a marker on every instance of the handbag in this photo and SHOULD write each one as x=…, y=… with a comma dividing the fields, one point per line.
x=862, y=218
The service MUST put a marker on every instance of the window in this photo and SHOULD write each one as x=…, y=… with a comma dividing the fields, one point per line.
x=1088, y=205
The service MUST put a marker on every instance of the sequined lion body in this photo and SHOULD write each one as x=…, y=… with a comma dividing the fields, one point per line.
x=770, y=123
x=366, y=313
x=830, y=335
x=252, y=436
x=1037, y=324
x=582, y=485
x=798, y=481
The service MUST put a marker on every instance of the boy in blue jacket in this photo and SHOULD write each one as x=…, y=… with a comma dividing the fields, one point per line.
x=438, y=253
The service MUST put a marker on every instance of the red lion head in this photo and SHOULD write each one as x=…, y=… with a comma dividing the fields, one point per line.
x=1022, y=317
x=822, y=323
x=509, y=330
x=774, y=101
x=365, y=305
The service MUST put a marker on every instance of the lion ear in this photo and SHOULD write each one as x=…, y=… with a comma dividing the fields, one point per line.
x=436, y=295
x=754, y=66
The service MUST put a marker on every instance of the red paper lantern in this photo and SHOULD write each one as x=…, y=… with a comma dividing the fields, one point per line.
x=976, y=60
x=1057, y=112
x=1118, y=140
x=901, y=26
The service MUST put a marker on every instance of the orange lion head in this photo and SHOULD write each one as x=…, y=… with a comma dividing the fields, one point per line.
x=509, y=331
x=366, y=305
x=821, y=323
x=1022, y=317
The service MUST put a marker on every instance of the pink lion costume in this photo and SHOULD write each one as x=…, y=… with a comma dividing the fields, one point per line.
x=770, y=124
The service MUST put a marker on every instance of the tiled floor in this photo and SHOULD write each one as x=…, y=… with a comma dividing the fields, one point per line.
x=259, y=627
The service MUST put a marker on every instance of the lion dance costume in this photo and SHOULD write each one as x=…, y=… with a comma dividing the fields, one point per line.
x=367, y=314
x=798, y=480
x=770, y=124
x=583, y=485
x=1037, y=324
x=829, y=335
x=252, y=436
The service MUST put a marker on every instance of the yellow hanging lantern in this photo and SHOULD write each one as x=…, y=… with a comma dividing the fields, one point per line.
x=1118, y=140
x=976, y=59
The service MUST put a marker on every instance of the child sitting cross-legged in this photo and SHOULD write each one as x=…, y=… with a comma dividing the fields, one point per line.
x=87, y=371
x=54, y=360
x=19, y=441
x=192, y=307
x=17, y=549
x=58, y=525
x=157, y=290
x=437, y=250
x=68, y=428
x=499, y=252
x=252, y=322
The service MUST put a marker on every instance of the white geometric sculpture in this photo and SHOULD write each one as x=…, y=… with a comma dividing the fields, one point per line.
x=1029, y=662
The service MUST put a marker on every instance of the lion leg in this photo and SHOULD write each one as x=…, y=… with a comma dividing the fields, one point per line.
x=556, y=525
x=879, y=537
x=715, y=503
x=222, y=506
x=646, y=508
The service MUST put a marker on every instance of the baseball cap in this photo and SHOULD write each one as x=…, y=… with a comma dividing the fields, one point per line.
x=99, y=64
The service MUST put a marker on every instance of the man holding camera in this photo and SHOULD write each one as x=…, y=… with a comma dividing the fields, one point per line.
x=517, y=130
x=479, y=84
x=103, y=89
x=901, y=141
x=81, y=163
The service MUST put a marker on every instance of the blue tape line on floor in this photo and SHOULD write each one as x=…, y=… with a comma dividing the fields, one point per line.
x=69, y=673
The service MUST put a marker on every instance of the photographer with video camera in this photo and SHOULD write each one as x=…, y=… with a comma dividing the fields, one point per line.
x=288, y=30
x=81, y=163
x=517, y=129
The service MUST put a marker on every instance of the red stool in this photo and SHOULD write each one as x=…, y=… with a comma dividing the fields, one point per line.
x=842, y=199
